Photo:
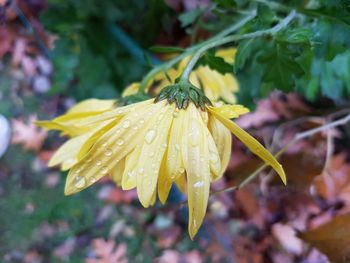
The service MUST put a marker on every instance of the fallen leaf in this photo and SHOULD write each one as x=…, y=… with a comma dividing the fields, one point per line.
x=286, y=236
x=108, y=252
x=331, y=238
x=27, y=134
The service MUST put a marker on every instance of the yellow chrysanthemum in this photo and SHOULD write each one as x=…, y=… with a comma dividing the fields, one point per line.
x=151, y=145
x=214, y=84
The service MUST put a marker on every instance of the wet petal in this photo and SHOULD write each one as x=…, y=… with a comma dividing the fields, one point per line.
x=195, y=148
x=153, y=149
x=223, y=141
x=253, y=145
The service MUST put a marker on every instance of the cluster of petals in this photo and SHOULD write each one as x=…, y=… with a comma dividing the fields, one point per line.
x=214, y=85
x=150, y=146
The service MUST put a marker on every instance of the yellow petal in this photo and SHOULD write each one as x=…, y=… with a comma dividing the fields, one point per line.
x=92, y=105
x=195, y=150
x=68, y=152
x=230, y=111
x=181, y=183
x=223, y=141
x=132, y=89
x=227, y=54
x=214, y=157
x=129, y=180
x=117, y=172
x=111, y=147
x=253, y=145
x=164, y=182
x=152, y=152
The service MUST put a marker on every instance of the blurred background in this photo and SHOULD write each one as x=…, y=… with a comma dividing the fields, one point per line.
x=56, y=53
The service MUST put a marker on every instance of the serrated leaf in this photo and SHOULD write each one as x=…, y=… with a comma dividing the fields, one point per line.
x=244, y=50
x=295, y=36
x=216, y=63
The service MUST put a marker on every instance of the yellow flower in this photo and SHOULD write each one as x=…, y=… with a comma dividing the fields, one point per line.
x=151, y=145
x=214, y=84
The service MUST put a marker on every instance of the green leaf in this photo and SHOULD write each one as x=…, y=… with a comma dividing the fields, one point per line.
x=295, y=36
x=216, y=63
x=166, y=49
x=244, y=50
x=190, y=17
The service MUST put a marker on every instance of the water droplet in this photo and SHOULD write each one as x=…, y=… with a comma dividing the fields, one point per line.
x=194, y=132
x=104, y=144
x=78, y=171
x=118, y=131
x=88, y=160
x=98, y=162
x=176, y=113
x=126, y=124
x=177, y=147
x=131, y=173
x=181, y=170
x=80, y=182
x=150, y=135
x=214, y=157
x=104, y=170
x=93, y=180
x=135, y=127
x=120, y=142
x=198, y=184
x=108, y=152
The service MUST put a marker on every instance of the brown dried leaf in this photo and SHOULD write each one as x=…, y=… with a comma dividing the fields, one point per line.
x=331, y=238
x=27, y=134
x=108, y=252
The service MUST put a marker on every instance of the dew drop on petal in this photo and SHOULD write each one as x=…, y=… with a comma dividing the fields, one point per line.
x=181, y=170
x=131, y=173
x=88, y=160
x=176, y=113
x=80, y=182
x=150, y=136
x=198, y=184
x=108, y=152
x=214, y=158
x=98, y=162
x=93, y=180
x=120, y=142
x=104, y=170
x=126, y=124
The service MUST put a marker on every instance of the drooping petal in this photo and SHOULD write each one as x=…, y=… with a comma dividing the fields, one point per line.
x=111, y=147
x=117, y=172
x=253, y=145
x=173, y=164
x=129, y=179
x=214, y=157
x=68, y=152
x=230, y=111
x=92, y=105
x=223, y=141
x=153, y=149
x=196, y=160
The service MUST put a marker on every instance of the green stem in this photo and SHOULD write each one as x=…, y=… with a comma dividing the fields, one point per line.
x=163, y=67
x=228, y=39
